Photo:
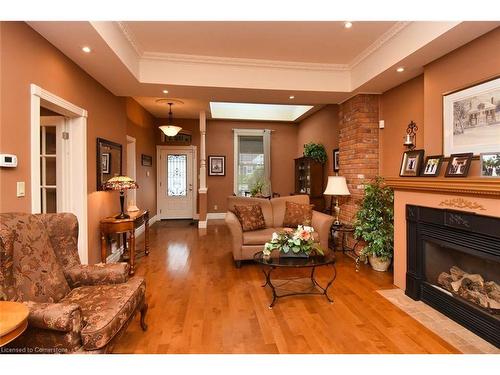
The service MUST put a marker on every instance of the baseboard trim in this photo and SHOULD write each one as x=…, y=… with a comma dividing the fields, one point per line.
x=202, y=224
x=216, y=215
x=140, y=230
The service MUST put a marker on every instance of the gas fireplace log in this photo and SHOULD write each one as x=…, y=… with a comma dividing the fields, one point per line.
x=445, y=280
x=492, y=289
x=456, y=273
x=472, y=281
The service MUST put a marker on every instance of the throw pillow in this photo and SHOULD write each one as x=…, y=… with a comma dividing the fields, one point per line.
x=250, y=217
x=297, y=214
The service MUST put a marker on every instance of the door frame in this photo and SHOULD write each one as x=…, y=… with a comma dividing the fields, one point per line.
x=75, y=190
x=160, y=148
x=132, y=145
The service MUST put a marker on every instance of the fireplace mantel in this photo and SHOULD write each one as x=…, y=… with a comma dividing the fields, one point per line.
x=469, y=186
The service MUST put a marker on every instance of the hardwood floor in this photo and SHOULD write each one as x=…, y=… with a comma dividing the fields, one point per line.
x=200, y=303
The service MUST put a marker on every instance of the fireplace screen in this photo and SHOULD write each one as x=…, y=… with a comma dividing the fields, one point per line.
x=468, y=277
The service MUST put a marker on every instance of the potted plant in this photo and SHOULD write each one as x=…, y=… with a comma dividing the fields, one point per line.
x=258, y=183
x=316, y=151
x=293, y=242
x=375, y=224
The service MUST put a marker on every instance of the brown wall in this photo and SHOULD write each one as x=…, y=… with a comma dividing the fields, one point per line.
x=321, y=127
x=421, y=100
x=27, y=58
x=398, y=107
x=140, y=126
x=219, y=141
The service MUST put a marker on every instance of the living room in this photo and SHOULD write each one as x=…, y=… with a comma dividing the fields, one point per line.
x=167, y=158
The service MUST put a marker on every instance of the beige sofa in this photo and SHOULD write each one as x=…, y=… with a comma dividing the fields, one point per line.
x=246, y=244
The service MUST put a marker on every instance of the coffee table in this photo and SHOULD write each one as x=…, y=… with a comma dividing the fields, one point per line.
x=271, y=263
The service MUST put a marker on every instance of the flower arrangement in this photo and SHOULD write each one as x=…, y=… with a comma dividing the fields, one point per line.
x=294, y=241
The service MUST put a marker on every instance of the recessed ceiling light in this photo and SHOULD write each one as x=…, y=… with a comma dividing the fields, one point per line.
x=165, y=91
x=347, y=24
x=291, y=97
x=86, y=49
x=400, y=69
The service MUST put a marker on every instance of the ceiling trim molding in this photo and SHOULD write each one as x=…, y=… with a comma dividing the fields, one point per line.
x=383, y=39
x=129, y=35
x=234, y=61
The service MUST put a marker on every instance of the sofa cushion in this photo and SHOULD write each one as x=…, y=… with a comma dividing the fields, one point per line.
x=297, y=214
x=105, y=309
x=259, y=237
x=34, y=271
x=279, y=206
x=264, y=204
x=250, y=217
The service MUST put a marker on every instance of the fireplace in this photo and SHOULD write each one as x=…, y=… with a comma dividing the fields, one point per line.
x=453, y=264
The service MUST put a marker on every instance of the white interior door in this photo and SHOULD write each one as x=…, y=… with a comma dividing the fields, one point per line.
x=176, y=190
x=53, y=163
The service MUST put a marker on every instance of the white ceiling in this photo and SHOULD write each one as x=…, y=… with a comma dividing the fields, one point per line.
x=253, y=62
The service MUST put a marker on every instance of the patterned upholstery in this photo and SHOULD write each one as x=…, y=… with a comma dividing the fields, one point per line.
x=297, y=214
x=73, y=307
x=250, y=217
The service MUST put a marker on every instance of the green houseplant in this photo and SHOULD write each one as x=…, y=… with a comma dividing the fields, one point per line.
x=375, y=224
x=315, y=151
x=258, y=183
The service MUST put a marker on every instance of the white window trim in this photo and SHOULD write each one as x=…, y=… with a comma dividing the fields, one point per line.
x=248, y=132
x=75, y=194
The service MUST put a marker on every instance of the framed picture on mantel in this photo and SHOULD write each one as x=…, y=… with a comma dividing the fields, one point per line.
x=471, y=119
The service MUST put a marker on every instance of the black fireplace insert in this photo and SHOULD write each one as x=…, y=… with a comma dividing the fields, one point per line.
x=453, y=265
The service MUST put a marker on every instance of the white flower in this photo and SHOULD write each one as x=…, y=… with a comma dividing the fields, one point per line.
x=275, y=236
x=308, y=229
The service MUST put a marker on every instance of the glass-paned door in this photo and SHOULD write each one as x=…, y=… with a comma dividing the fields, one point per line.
x=176, y=193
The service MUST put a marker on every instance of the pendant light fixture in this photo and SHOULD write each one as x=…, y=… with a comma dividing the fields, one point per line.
x=170, y=130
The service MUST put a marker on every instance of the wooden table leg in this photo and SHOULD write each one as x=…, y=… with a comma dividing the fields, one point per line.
x=146, y=235
x=103, y=247
x=132, y=252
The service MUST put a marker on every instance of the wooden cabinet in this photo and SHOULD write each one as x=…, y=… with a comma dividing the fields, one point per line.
x=309, y=179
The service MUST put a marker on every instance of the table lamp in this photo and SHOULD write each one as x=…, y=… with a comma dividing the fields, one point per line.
x=120, y=183
x=335, y=187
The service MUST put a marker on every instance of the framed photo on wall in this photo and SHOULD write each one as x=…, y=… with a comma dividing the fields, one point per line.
x=146, y=160
x=216, y=165
x=490, y=164
x=411, y=163
x=471, y=119
x=432, y=166
x=336, y=165
x=459, y=165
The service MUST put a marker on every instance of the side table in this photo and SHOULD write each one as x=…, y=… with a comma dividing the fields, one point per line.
x=13, y=320
x=344, y=230
x=126, y=227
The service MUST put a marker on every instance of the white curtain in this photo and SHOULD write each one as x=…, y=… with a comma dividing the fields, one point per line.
x=267, y=159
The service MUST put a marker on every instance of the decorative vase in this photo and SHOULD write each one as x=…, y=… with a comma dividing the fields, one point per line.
x=379, y=264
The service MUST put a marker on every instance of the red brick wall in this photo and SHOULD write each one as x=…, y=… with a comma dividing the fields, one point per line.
x=358, y=145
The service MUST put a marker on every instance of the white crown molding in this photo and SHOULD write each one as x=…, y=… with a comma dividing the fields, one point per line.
x=129, y=35
x=383, y=39
x=261, y=63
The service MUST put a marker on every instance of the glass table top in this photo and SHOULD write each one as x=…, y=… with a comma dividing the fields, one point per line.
x=278, y=260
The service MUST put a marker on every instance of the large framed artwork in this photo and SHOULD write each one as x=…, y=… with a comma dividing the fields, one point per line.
x=471, y=119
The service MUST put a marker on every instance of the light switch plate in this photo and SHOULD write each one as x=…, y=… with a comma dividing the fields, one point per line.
x=20, y=188
x=381, y=124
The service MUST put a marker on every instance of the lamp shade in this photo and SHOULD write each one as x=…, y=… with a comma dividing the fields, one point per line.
x=170, y=130
x=337, y=185
x=120, y=183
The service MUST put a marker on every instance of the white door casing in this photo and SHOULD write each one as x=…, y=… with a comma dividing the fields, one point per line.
x=75, y=183
x=131, y=170
x=182, y=206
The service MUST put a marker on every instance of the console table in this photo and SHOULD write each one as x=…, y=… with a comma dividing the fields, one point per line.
x=126, y=227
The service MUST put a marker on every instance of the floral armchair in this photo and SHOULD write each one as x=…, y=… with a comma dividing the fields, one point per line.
x=73, y=307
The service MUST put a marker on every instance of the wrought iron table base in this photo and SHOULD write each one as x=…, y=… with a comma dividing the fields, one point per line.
x=315, y=285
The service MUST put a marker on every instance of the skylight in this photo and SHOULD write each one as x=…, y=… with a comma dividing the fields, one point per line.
x=251, y=111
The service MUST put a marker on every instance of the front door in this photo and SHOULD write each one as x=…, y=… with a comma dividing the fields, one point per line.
x=176, y=193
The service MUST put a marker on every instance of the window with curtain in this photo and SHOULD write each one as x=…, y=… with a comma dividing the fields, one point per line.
x=252, y=166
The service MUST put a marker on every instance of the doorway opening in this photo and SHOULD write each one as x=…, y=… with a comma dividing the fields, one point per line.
x=59, y=160
x=177, y=182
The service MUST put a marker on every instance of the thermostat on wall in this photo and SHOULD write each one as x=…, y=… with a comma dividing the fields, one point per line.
x=8, y=160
